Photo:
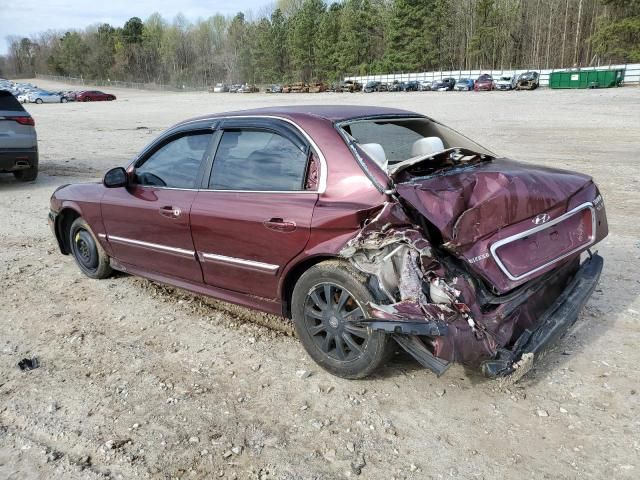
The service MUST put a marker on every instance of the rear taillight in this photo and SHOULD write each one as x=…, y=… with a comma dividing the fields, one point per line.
x=24, y=120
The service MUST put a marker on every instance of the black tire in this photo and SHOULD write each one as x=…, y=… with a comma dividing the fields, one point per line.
x=38, y=101
x=87, y=252
x=27, y=175
x=342, y=349
x=63, y=100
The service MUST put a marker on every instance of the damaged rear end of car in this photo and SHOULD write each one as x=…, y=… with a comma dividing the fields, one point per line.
x=473, y=259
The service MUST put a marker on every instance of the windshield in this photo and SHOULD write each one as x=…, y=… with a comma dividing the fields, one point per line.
x=391, y=141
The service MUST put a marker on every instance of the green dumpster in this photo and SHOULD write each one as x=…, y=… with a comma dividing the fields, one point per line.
x=587, y=78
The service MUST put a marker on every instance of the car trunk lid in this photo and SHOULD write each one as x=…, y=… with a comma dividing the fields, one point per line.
x=508, y=220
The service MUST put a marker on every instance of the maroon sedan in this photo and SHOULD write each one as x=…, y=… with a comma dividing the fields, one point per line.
x=484, y=82
x=369, y=227
x=94, y=96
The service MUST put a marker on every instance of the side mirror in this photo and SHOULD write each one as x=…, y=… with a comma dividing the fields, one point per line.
x=115, y=178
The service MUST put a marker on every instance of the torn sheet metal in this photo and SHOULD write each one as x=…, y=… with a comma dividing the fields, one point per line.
x=397, y=255
x=495, y=202
x=472, y=203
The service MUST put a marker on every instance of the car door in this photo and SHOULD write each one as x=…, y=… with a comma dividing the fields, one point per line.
x=254, y=214
x=147, y=223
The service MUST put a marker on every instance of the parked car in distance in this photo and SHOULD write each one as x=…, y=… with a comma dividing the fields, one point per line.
x=396, y=86
x=464, y=84
x=371, y=86
x=484, y=82
x=246, y=88
x=299, y=87
x=425, y=86
x=44, y=97
x=340, y=218
x=411, y=86
x=94, y=96
x=506, y=82
x=220, y=88
x=444, y=85
x=317, y=87
x=68, y=96
x=275, y=88
x=383, y=87
x=18, y=139
x=350, y=86
x=528, y=81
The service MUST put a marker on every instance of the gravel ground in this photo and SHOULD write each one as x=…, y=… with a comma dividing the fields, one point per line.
x=138, y=380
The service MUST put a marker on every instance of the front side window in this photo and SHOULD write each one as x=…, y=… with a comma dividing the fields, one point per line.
x=176, y=164
x=258, y=160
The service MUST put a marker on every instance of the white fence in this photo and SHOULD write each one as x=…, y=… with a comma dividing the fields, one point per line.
x=631, y=76
x=121, y=84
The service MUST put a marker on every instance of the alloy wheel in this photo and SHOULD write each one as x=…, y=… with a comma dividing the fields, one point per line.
x=331, y=314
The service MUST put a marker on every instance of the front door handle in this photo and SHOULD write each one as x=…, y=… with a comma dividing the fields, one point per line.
x=170, y=212
x=280, y=225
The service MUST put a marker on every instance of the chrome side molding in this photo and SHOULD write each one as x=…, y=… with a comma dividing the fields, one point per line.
x=152, y=246
x=240, y=262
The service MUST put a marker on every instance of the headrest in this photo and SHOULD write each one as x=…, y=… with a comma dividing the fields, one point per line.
x=426, y=146
x=376, y=153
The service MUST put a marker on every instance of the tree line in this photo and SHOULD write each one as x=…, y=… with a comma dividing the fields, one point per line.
x=311, y=40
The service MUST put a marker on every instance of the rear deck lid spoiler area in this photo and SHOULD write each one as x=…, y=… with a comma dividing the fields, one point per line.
x=474, y=202
x=509, y=221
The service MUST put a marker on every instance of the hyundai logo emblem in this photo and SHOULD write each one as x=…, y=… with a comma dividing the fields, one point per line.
x=542, y=218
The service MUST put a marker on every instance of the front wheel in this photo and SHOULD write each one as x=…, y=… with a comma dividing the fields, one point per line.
x=63, y=100
x=328, y=301
x=89, y=255
x=38, y=100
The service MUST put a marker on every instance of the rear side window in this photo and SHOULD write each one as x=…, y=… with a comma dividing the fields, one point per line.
x=258, y=160
x=396, y=139
x=8, y=102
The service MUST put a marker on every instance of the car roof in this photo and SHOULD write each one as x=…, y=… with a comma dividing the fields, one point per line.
x=333, y=113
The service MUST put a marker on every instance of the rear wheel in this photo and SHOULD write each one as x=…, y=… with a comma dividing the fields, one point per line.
x=27, y=175
x=328, y=301
x=63, y=100
x=38, y=100
x=89, y=255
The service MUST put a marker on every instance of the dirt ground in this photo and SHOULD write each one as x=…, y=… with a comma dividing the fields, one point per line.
x=138, y=380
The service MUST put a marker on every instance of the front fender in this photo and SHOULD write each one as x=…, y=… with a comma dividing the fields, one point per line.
x=73, y=201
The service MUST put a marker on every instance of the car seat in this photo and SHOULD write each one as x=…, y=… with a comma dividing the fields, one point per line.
x=376, y=153
x=426, y=146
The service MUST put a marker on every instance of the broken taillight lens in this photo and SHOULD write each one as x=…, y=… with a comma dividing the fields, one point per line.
x=24, y=120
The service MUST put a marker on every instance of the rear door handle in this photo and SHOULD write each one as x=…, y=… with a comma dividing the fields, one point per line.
x=170, y=212
x=280, y=225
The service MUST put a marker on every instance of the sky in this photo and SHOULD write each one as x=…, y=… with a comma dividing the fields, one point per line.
x=26, y=17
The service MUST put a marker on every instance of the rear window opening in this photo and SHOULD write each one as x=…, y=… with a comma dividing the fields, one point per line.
x=8, y=103
x=392, y=142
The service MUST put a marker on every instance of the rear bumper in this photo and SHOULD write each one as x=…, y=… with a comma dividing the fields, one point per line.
x=14, y=160
x=553, y=324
